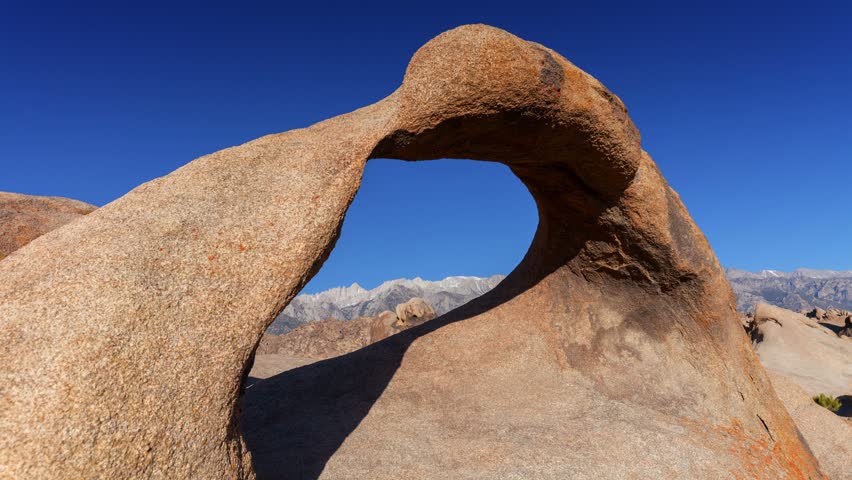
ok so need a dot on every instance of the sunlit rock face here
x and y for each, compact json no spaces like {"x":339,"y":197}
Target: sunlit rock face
{"x":613,"y":350}
{"x":24,"y":218}
{"x":802,"y":349}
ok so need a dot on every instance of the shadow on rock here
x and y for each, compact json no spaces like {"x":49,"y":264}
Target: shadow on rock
{"x":834,"y":328}
{"x":295,"y":421}
{"x":845,"y":406}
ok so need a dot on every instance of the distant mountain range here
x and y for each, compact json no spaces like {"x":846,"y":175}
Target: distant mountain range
{"x":797,"y":290}
{"x":348,"y":303}
{"x":801,"y":289}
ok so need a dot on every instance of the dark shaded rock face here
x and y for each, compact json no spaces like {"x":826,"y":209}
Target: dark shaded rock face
{"x":613,"y":350}
{"x":846,"y":331}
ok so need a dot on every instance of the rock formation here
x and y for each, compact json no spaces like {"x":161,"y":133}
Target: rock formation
{"x":839,"y":321}
{"x":828,"y":436}
{"x":319,"y":340}
{"x":414,"y":312}
{"x":613,"y":350}
{"x":803,"y":350}
{"x":331,"y":338}
{"x":26,"y":217}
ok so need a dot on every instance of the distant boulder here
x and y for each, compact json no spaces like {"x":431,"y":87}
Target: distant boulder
{"x":24,"y":218}
{"x":835,"y":319}
{"x":836,"y":316}
{"x":414,"y":312}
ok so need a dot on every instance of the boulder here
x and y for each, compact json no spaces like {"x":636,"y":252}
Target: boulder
{"x":803,"y":350}
{"x":414,"y":312}
{"x":835,"y":317}
{"x":24,"y":218}
{"x":613,"y":350}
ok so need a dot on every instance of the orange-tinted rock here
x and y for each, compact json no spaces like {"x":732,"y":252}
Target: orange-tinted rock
{"x":613,"y":350}
{"x":829,"y":436}
{"x":24,"y":218}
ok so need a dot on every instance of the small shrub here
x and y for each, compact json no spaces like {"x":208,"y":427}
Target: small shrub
{"x":828,"y":402}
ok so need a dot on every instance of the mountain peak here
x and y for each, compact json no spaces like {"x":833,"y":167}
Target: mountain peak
{"x":348,"y":303}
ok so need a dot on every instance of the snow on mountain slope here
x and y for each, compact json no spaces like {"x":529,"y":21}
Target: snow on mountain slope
{"x":347,"y":303}
{"x":801,"y":289}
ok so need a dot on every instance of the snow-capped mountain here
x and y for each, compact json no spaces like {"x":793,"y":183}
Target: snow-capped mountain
{"x":347,"y":303}
{"x":797,"y":290}
{"x":801,"y":289}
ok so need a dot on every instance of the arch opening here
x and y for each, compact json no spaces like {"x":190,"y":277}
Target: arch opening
{"x":414,"y":230}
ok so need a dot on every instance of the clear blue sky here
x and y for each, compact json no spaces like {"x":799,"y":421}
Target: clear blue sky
{"x":747,"y":110}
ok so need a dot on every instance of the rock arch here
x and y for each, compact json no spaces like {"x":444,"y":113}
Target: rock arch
{"x":127,"y":332}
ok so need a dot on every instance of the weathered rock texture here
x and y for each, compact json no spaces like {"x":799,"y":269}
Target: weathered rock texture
{"x":319,"y":340}
{"x":802,"y":349}
{"x":612,"y":351}
{"x":383,"y":326}
{"x":414,"y":312}
{"x":331,"y":338}
{"x":828,"y":435}
{"x":25,"y":217}
{"x":839,"y":321}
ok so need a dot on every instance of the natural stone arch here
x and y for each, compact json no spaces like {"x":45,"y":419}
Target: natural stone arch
{"x":128,"y":331}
